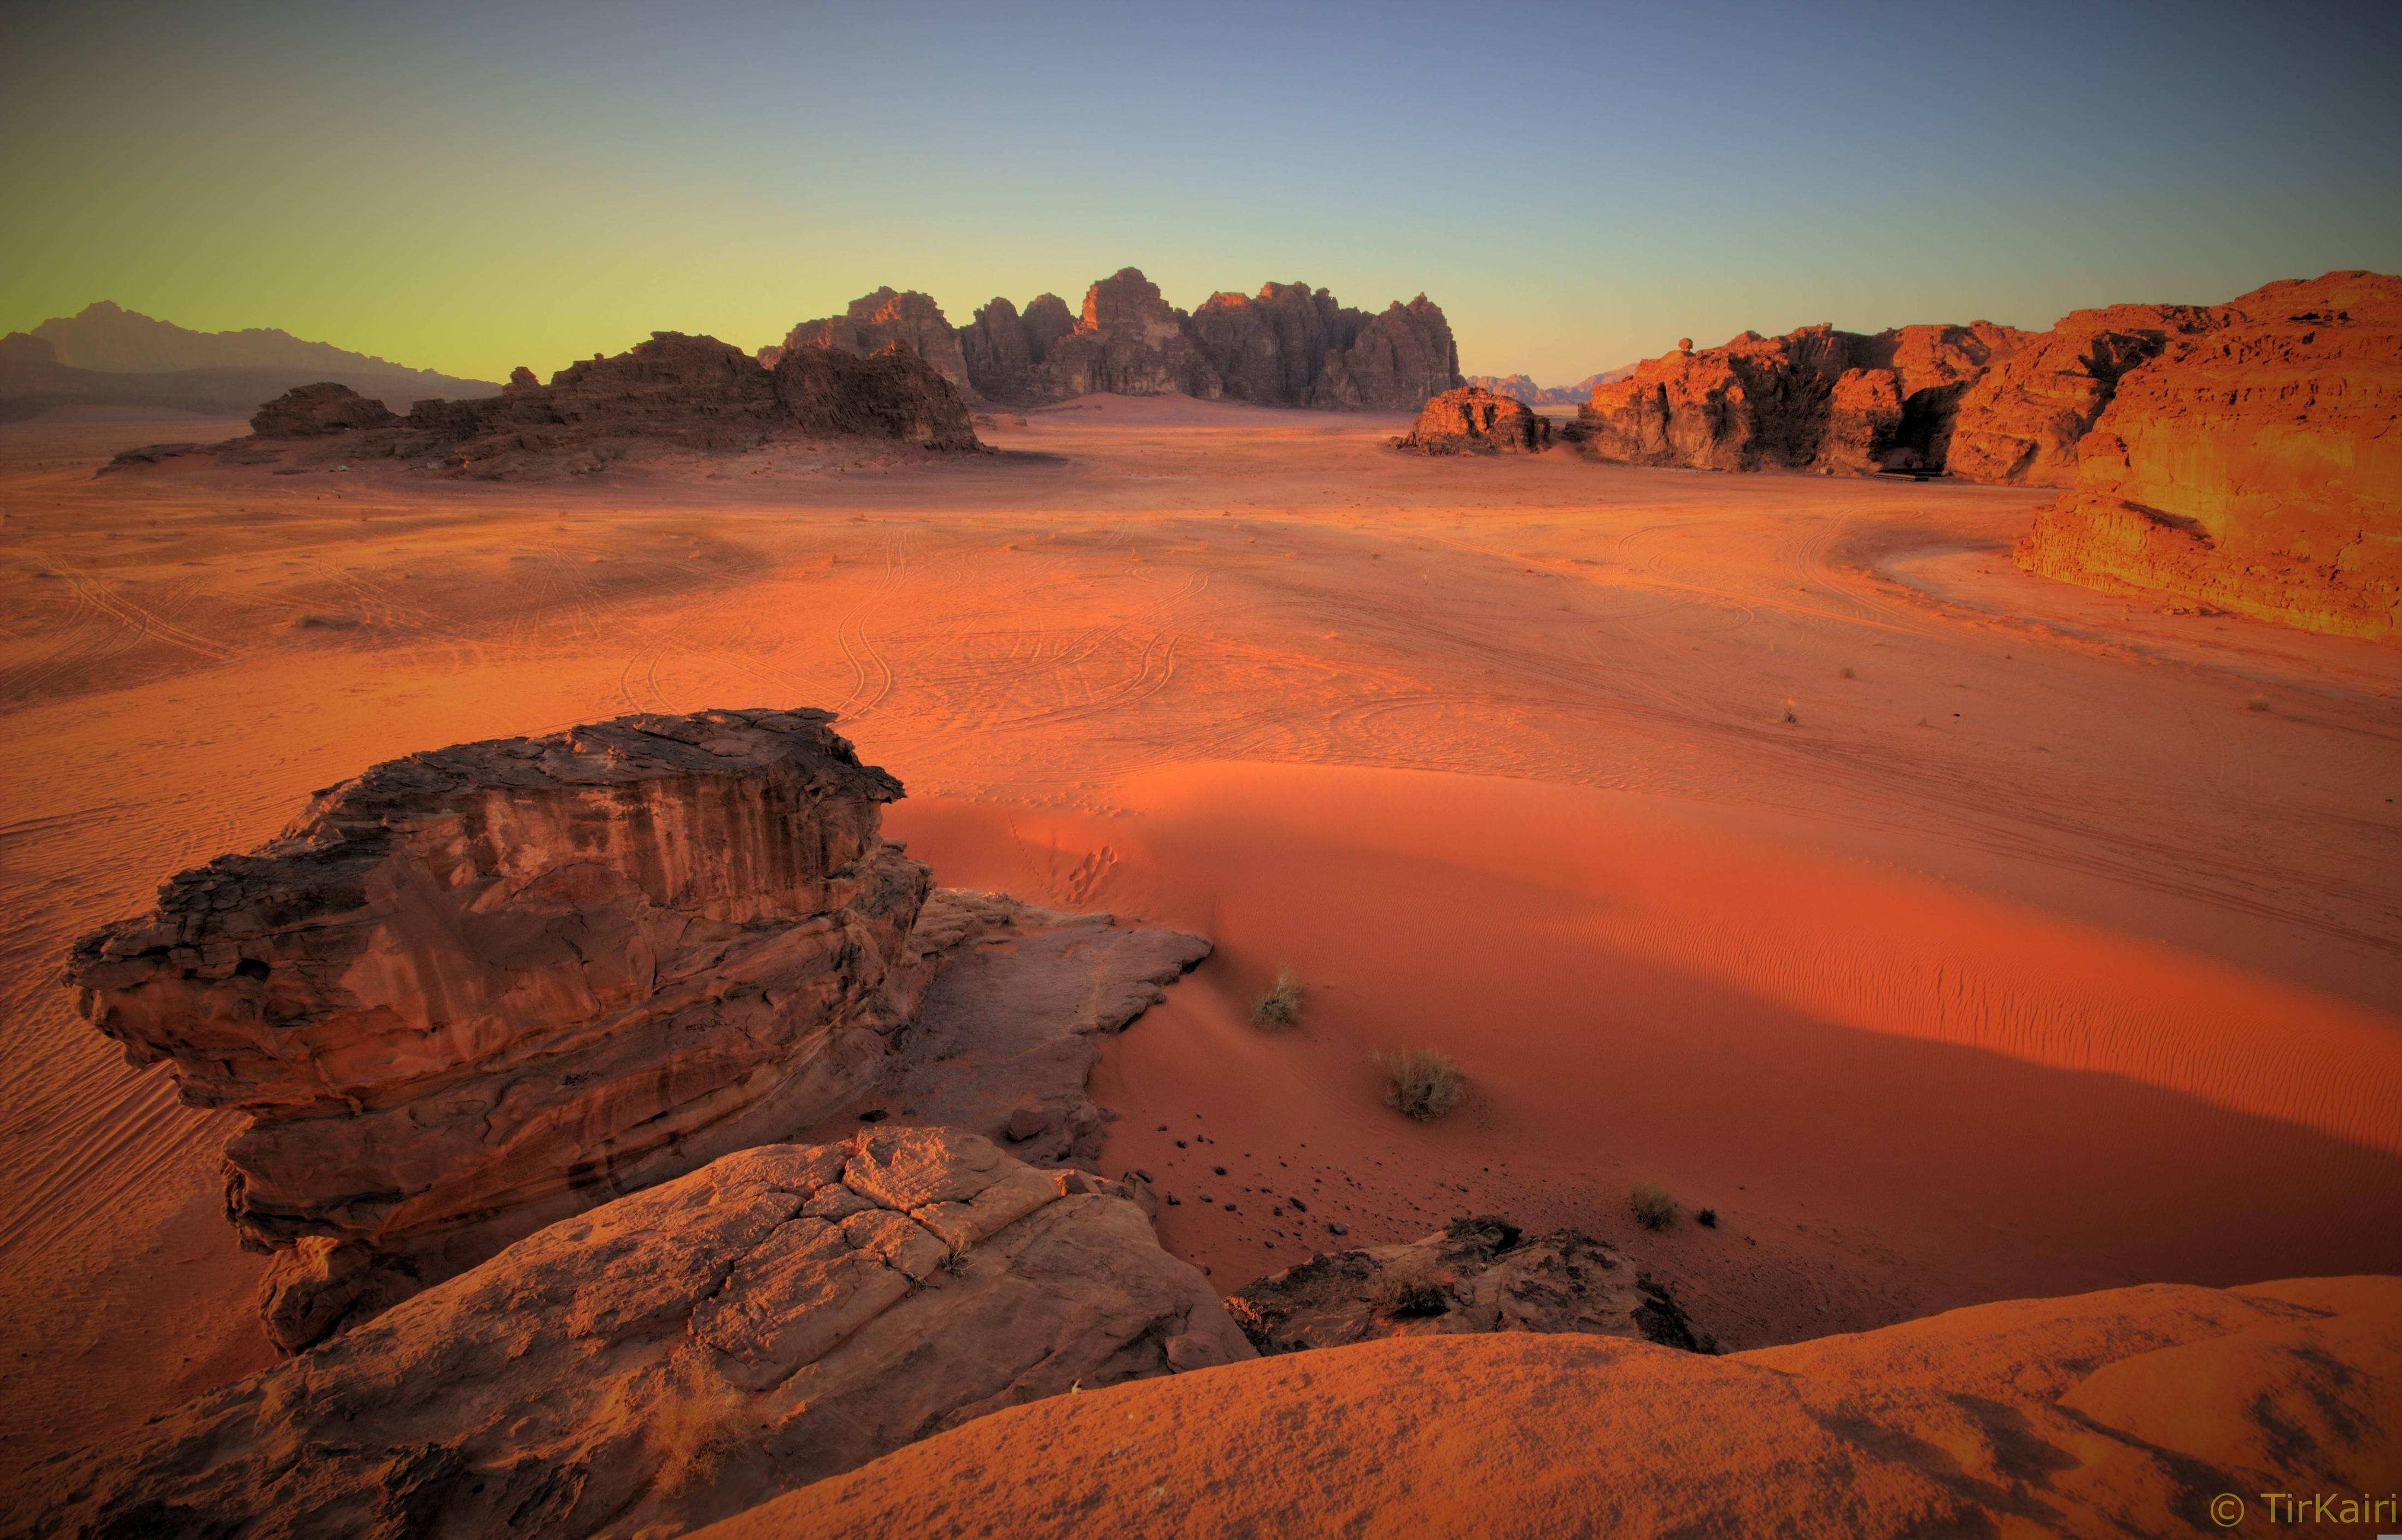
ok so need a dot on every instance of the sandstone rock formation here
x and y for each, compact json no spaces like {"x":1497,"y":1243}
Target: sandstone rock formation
{"x":313,"y":410}
{"x":2111,"y":1414}
{"x":475,"y":990}
{"x":1011,"y":1024}
{"x":671,"y":394}
{"x":1471,"y":421}
{"x":1525,"y":390}
{"x":2020,"y":421}
{"x":776,"y":1317}
{"x":877,"y":321}
{"x":2254,"y":465}
{"x":1478,"y":1275}
{"x":1288,"y":346}
{"x":1004,"y":351}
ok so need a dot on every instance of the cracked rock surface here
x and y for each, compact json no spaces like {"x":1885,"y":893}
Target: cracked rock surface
{"x":783,"y":1315}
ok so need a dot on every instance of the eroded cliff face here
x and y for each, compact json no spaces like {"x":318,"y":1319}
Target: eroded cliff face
{"x":2253,"y":464}
{"x":878,"y":321}
{"x":782,"y":1315}
{"x":1288,"y":344}
{"x":475,"y":990}
{"x":2020,"y":422}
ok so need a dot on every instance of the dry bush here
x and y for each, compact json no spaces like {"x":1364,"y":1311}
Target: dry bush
{"x":1653,"y":1208}
{"x":1281,"y":1005}
{"x":1426,"y":1083}
{"x":1402,"y":1295}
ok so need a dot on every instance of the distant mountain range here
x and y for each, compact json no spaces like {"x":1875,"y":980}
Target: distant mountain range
{"x":107,"y":356}
{"x":1525,"y":390}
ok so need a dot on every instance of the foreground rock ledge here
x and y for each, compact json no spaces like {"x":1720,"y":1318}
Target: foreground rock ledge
{"x":479,"y":989}
{"x":2112,"y":1414}
{"x":779,"y":1317}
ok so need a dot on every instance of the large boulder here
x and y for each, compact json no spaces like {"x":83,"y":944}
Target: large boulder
{"x":2254,"y":465}
{"x":309,"y":411}
{"x":478,"y":989}
{"x":1473,"y":422}
{"x":778,"y":1317}
{"x":878,"y":321}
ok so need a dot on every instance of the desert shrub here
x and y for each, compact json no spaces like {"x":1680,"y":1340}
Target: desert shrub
{"x":2258,"y":703}
{"x":1653,"y":1208}
{"x":1407,"y":1294}
{"x":1425,"y":1082}
{"x":1281,"y":1005}
{"x":1706,"y":1218}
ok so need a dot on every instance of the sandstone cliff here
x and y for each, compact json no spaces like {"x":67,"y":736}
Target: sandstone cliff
{"x":2253,"y":464}
{"x":2114,"y":1414}
{"x":1471,"y":421}
{"x":1288,"y":346}
{"x":878,"y":321}
{"x":477,"y":989}
{"x":776,"y":1317}
{"x":2020,"y":421}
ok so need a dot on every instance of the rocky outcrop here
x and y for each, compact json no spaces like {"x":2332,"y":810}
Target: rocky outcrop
{"x":673,"y":395}
{"x":2253,"y":464}
{"x":878,"y":321}
{"x":779,"y":1317}
{"x":1288,"y":344}
{"x":1758,"y":402}
{"x":1403,"y":358}
{"x":1471,"y":421}
{"x":1013,"y":1023}
{"x":312,"y":411}
{"x":2113,"y":1414}
{"x":2020,"y":421}
{"x":1525,"y":390}
{"x":475,"y":990}
{"x":1480,"y":1274}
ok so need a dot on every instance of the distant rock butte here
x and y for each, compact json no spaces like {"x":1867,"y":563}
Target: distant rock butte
{"x":774,"y":1318}
{"x":1478,"y":1274}
{"x":312,"y":411}
{"x":2109,"y":1414}
{"x":2252,"y":464}
{"x":1288,"y":346}
{"x":1524,"y":389}
{"x":671,"y":394}
{"x":1472,"y":421}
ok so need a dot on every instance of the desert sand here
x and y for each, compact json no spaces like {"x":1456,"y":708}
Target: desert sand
{"x":1958,"y":935}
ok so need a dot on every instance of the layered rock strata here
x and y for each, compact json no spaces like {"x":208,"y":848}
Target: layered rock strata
{"x":2253,"y":465}
{"x":779,"y":1317}
{"x":673,"y":395}
{"x":478,"y":989}
{"x":1472,"y":421}
{"x":1478,"y":1274}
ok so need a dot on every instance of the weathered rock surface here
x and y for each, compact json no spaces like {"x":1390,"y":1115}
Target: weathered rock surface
{"x":2112,"y":1414}
{"x":311,"y":410}
{"x":673,"y":395}
{"x":878,"y":321}
{"x":2254,"y":465}
{"x":1473,"y":422}
{"x":779,"y":1317}
{"x":1478,"y":1275}
{"x":2020,"y":421}
{"x":478,"y":989}
{"x":1525,"y":390}
{"x":1288,"y":346}
{"x":1013,"y":1022}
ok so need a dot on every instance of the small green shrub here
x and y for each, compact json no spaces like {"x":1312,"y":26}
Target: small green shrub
{"x":1653,"y":1208}
{"x":1425,"y":1082}
{"x":1281,"y":1005}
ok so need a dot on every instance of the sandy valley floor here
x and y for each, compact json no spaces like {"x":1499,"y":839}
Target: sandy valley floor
{"x":1956,"y":935}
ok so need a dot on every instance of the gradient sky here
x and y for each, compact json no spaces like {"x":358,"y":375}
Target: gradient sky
{"x":468,"y":187}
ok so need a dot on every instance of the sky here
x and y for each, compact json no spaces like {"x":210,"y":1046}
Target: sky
{"x":469,"y":188}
